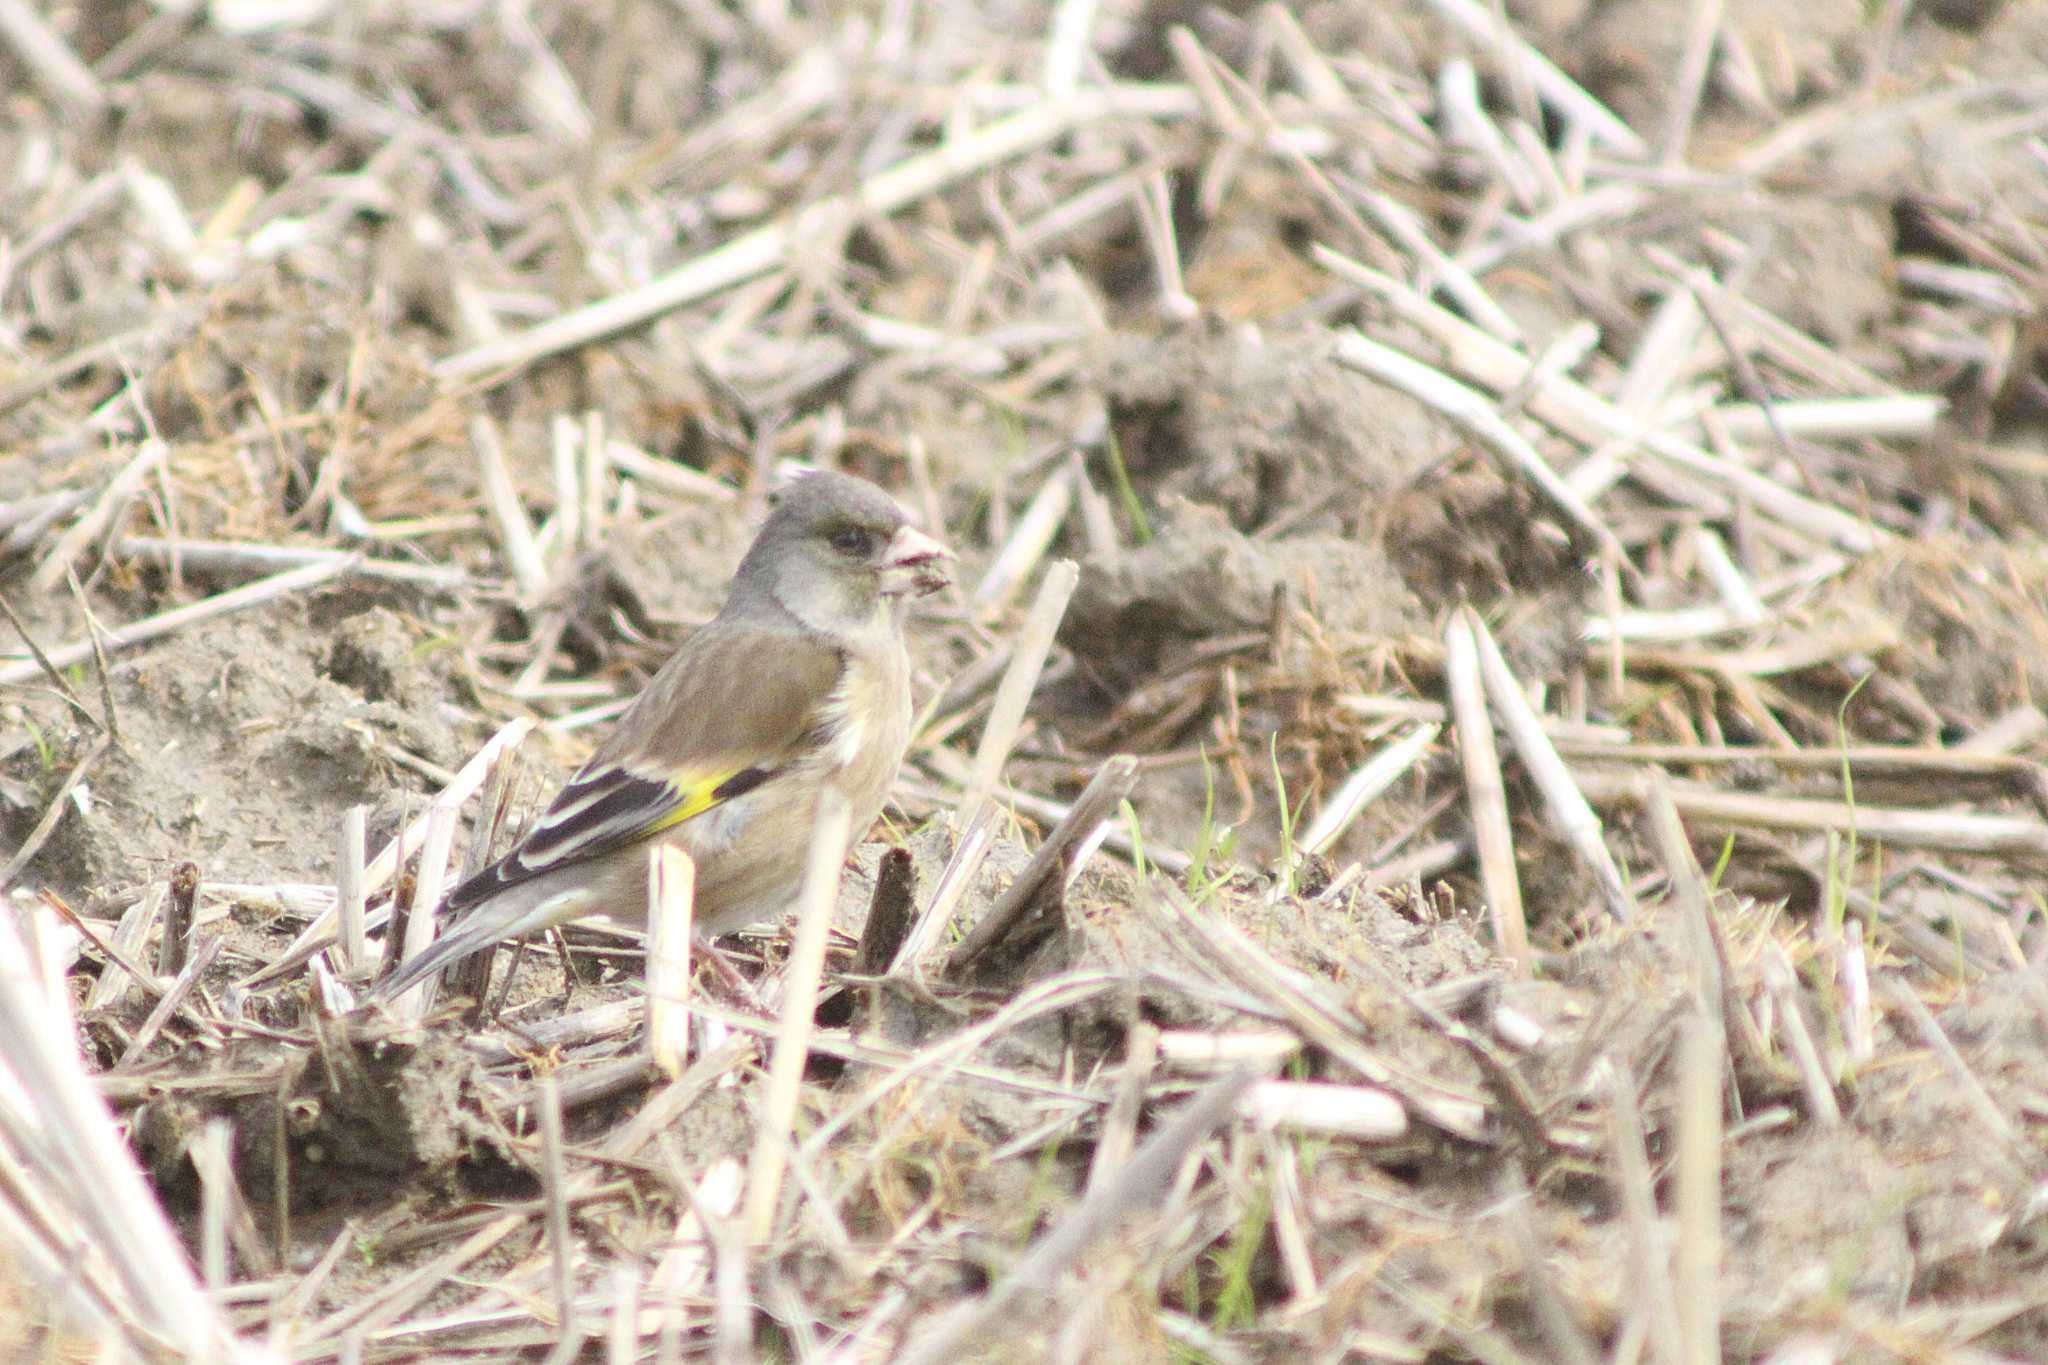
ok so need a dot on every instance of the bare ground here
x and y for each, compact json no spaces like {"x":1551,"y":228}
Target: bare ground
{"x":440,"y":358}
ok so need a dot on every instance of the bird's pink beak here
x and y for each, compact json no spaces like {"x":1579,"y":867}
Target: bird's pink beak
{"x":913,"y":565}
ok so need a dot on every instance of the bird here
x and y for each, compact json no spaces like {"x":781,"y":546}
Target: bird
{"x":799,"y":684}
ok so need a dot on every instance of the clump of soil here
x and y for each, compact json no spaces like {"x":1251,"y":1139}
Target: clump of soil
{"x":242,"y":741}
{"x":1269,"y":430}
{"x":1199,"y":578}
{"x":358,"y":1115}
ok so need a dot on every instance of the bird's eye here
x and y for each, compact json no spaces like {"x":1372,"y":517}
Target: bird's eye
{"x":853,"y":542}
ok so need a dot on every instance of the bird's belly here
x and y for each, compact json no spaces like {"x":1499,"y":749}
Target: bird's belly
{"x":749,"y":855}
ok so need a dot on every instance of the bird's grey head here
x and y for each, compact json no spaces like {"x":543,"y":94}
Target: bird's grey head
{"x":835,"y":553}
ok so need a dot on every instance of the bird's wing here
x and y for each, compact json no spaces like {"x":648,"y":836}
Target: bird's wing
{"x":736,"y":707}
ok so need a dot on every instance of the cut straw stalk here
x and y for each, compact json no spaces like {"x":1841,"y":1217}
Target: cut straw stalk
{"x":671,"y":903}
{"x":1486,"y":796}
{"x":1702,"y":1060}
{"x":1573,"y":410}
{"x":54,"y":1119}
{"x":775,"y":245}
{"x":1140,"y":1185}
{"x":1474,"y":412}
{"x":1578,"y":732}
{"x":349,"y":896}
{"x":1569,"y":812}
{"x":1118,"y":1136}
{"x":1896,"y":416}
{"x":1360,"y":1112}
{"x":435,"y":846}
{"x":264,"y":590}
{"x":1019,"y":681}
{"x":241,"y":557}
{"x":1862,"y":760}
{"x":1649,"y":1272}
{"x":1782,"y":981}
{"x":1110,"y":785}
{"x":1367,"y":784}
{"x":1715,"y":982}
{"x":799,"y":1005}
{"x":1067,"y":47}
{"x":49,"y":60}
{"x":515,"y":533}
{"x":98,"y":517}
{"x":1487,"y":27}
{"x":1955,"y":831}
{"x":1028,"y":541}
{"x":975,"y":815}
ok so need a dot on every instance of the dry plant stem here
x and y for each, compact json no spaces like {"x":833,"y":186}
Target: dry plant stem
{"x":775,"y":245}
{"x":435,"y":848}
{"x":1852,"y":978}
{"x":173,"y":999}
{"x":1702,"y":1061}
{"x":1040,"y":808}
{"x":1695,"y":57}
{"x":1118,"y":1136}
{"x":97,"y":518}
{"x":1955,"y":831}
{"x":1647,"y":1269}
{"x":110,"y":987}
{"x":1019,"y":681}
{"x":349,"y":896}
{"x":82,"y":1161}
{"x":50,"y":671}
{"x":1028,"y":542}
{"x":1358,"y":1112}
{"x":515,"y":532}
{"x":554,"y":1173}
{"x":50,"y":61}
{"x":210,"y":1160}
{"x":1514,"y":53}
{"x":1863,"y":760}
{"x":1291,"y":1219}
{"x":671,"y":900}
{"x":1579,"y":733}
{"x":1006,"y":718}
{"x":1471,"y":411}
{"x":1367,"y":784}
{"x":889,"y":911}
{"x":1486,"y":796}
{"x":1898,"y":416}
{"x":1717,"y":990}
{"x":1110,"y":785}
{"x":1140,"y":1185}
{"x":799,"y":1006}
{"x":264,"y":590}
{"x":1569,"y":812}
{"x":1573,"y":410}
{"x":1067,"y":47}
{"x":240,"y":557}
{"x":52,"y":813}
{"x":2023,"y":1164}
{"x":1783,"y":984}
{"x":595,"y":1024}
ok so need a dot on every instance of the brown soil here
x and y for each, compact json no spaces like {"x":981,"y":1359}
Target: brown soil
{"x":1273,"y":549}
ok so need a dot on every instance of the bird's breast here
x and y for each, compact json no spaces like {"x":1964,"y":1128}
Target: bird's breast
{"x":867,"y":722}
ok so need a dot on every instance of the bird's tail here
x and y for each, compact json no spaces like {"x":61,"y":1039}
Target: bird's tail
{"x":484,"y":927}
